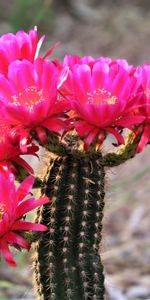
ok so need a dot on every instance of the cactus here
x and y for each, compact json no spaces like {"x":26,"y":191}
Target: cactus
{"x":68,"y":264}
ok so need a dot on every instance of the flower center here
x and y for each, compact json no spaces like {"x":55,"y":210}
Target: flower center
{"x":101,"y":96}
{"x":29,"y":97}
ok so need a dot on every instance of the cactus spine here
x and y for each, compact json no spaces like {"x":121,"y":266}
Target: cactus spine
{"x":68,"y":265}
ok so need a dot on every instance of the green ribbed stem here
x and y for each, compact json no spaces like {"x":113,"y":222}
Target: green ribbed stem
{"x":68,"y":265}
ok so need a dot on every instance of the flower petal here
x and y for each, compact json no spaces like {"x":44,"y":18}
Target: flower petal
{"x":129,"y":120}
{"x":117,"y":135}
{"x":7,"y":254}
{"x":51,"y":50}
{"x":88,"y":141}
{"x":14,"y":238}
{"x":144,"y":139}
{"x":25,"y":188}
{"x":54,"y":124}
{"x":23,"y":164}
{"x":41,"y":134}
{"x":23,"y":225}
{"x":30,"y":204}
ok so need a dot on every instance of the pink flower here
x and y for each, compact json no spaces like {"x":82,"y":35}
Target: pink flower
{"x":29,"y":99}
{"x":10,"y":151}
{"x":90,"y":61}
{"x":12,"y":208}
{"x":143,"y":76}
{"x":70,"y":61}
{"x":19,"y":46}
{"x":103,"y":98}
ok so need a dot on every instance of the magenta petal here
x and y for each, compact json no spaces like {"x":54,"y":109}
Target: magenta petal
{"x":60,"y":106}
{"x":7,"y":254}
{"x":144,"y":139}
{"x":63,"y":76}
{"x":25,"y":188}
{"x":23,"y":225}
{"x":17,"y":114}
{"x":30,"y":204}
{"x":51,"y":50}
{"x":39,"y":44}
{"x":23,"y":140}
{"x":53,"y":124}
{"x":14,"y":238}
{"x":100,"y":73}
{"x":41,"y":134}
{"x":4,"y":224}
{"x":7,"y":192}
{"x":90,"y":138}
{"x":32,"y":149}
{"x":130,"y":120}
{"x":23,"y":164}
{"x":117,"y":135}
{"x":83,"y":128}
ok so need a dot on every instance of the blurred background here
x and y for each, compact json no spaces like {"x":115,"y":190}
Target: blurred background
{"x":119,"y":28}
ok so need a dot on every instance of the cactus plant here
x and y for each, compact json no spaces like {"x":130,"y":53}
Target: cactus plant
{"x":69,"y":108}
{"x":68,"y":261}
{"x":68,"y":265}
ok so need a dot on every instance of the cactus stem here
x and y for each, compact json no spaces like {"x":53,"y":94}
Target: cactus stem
{"x":68,"y":265}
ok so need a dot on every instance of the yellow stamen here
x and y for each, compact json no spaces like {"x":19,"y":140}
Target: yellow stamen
{"x":29,"y":97}
{"x":147,"y":92}
{"x":2,"y":211}
{"x":101,"y":96}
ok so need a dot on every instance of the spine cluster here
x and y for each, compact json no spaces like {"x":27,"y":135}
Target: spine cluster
{"x":68,"y":264}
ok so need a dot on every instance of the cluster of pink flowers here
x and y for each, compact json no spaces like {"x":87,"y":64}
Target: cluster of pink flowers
{"x":94,"y":97}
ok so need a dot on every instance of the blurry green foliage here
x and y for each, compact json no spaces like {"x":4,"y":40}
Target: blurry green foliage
{"x":28,"y":13}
